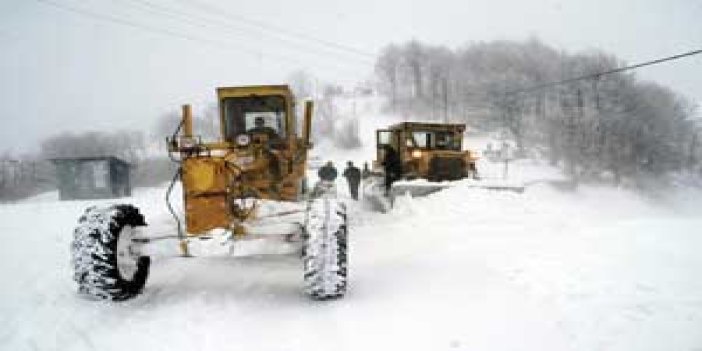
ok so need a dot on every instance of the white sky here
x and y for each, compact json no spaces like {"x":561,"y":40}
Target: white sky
{"x":63,"y":71}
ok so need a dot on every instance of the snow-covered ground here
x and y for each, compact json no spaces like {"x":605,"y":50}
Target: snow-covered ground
{"x":598,"y":269}
{"x":462,"y":269}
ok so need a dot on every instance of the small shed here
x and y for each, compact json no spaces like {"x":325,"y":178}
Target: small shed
{"x":92,"y":177}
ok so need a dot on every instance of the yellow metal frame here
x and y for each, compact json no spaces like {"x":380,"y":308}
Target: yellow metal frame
{"x":216,"y":174}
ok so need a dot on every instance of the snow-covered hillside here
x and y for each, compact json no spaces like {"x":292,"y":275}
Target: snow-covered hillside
{"x":462,"y":269}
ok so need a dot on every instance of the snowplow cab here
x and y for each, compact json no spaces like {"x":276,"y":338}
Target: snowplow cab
{"x":431,"y":151}
{"x":261,"y":155}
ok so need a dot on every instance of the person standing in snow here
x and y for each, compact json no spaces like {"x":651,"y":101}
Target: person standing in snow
{"x":366,"y":171}
{"x":392,"y":166}
{"x":327,"y":172}
{"x":327,"y":175}
{"x":353,"y":177}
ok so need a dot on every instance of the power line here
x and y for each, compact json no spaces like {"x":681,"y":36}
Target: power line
{"x":603,"y":73}
{"x":285,"y":31}
{"x":187,"y":17}
{"x":216,"y":43}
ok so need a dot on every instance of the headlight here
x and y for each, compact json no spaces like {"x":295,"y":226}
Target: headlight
{"x":416,"y":153}
{"x":243,"y":140}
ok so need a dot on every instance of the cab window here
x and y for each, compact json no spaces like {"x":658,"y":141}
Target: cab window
{"x":447,"y":141}
{"x":384,"y":137}
{"x":253,"y":113}
{"x":421,"y":139}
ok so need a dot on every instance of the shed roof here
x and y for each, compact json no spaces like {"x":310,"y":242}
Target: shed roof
{"x":431,"y":126}
{"x":90,"y":158}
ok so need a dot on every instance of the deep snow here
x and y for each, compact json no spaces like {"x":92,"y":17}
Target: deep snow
{"x":462,"y":269}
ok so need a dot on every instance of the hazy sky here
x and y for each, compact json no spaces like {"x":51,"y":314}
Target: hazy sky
{"x":121,"y":64}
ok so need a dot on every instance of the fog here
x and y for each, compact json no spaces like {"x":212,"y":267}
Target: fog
{"x":99,"y":65}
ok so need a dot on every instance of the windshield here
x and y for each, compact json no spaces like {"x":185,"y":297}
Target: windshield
{"x":254,"y":114}
{"x":433,"y":140}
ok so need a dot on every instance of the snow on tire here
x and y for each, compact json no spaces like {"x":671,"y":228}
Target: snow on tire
{"x":324,"y":249}
{"x":102,"y":253}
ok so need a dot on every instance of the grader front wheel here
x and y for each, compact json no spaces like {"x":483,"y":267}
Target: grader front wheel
{"x":104,"y":261}
{"x":324,"y":249}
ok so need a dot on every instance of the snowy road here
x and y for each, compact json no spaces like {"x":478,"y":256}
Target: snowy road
{"x":464,"y":269}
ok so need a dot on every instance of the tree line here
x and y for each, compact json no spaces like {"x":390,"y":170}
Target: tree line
{"x":615,"y":126}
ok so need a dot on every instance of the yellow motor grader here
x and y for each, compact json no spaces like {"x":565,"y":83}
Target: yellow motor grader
{"x":260,"y":159}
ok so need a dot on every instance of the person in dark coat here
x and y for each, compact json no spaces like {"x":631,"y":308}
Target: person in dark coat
{"x":327,"y":172}
{"x":392,"y":166}
{"x":366,"y":171}
{"x":353,"y":177}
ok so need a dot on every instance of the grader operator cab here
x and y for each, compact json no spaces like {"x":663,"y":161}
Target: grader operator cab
{"x":260,"y":159}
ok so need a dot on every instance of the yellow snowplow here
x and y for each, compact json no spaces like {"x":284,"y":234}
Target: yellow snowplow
{"x":259,"y":160}
{"x":431,"y":151}
{"x":421,"y":158}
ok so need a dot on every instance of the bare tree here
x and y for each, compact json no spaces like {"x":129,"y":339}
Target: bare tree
{"x":609,"y":126}
{"x":387,"y":67}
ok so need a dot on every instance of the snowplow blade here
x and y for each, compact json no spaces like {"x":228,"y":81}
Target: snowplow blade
{"x":374,"y":190}
{"x":374,"y":196}
{"x":418,"y":188}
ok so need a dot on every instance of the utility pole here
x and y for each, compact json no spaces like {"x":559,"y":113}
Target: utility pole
{"x":446,"y":118}
{"x":354,"y":103}
{"x":692,"y":159}
{"x":576,"y":116}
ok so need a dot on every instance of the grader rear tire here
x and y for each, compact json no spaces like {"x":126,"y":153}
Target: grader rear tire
{"x":324,"y":249}
{"x":103,"y":258}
